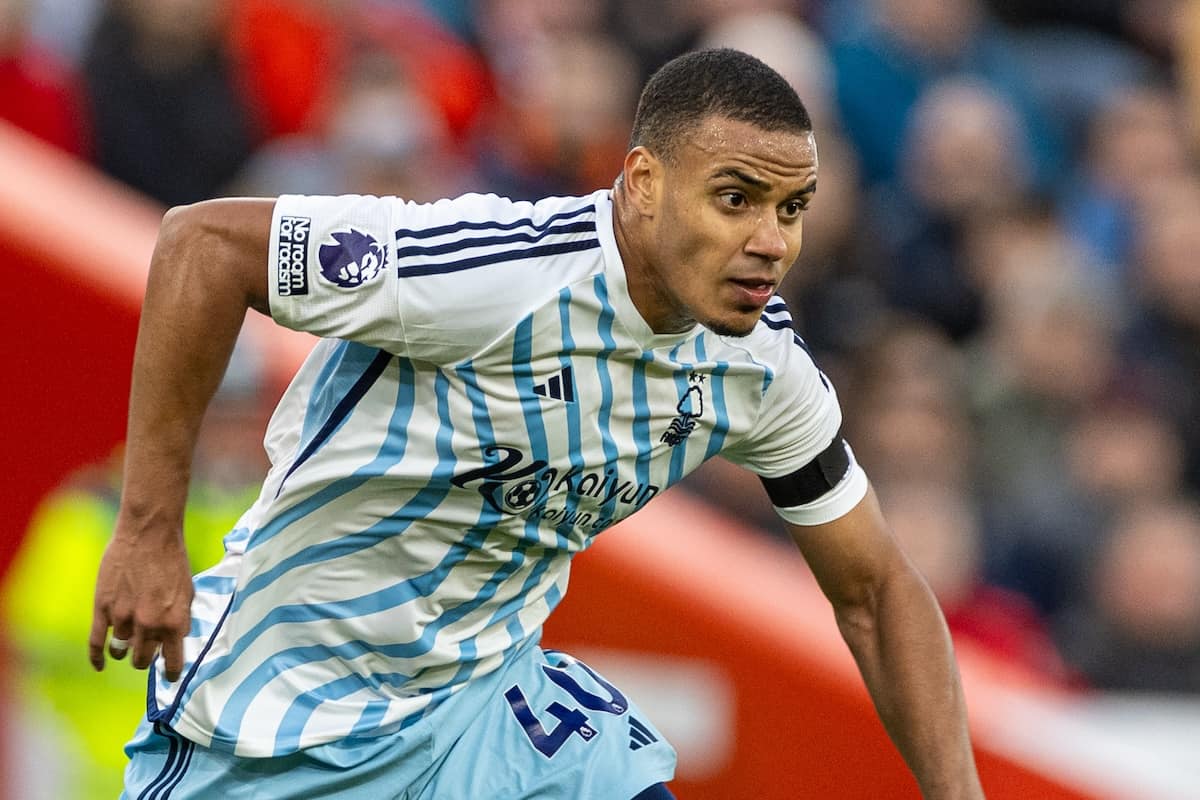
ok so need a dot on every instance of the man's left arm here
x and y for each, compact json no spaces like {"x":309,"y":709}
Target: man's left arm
{"x":896,"y":631}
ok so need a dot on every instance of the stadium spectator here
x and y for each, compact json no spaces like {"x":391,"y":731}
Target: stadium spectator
{"x":169,"y":117}
{"x":555,"y":129}
{"x":1164,"y":337}
{"x":906,"y":405}
{"x":964,"y":161}
{"x":938,"y":527}
{"x":887,"y":53}
{"x":1047,"y":354}
{"x":1137,"y":627}
{"x":39,"y":92}
{"x":1135,"y":144}
{"x":1123,"y":453}
{"x":382,"y":137}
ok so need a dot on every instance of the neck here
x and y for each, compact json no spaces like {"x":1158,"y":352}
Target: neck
{"x":631,"y":230}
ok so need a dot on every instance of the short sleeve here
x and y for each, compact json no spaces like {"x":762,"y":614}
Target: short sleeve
{"x":797,"y":434}
{"x":799,"y":415}
{"x":330,"y":272}
{"x":431,"y":281}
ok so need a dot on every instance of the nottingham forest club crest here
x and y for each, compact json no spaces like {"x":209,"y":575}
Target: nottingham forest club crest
{"x":690,"y":408}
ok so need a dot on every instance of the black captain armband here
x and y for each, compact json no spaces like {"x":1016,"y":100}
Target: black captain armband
{"x":812,"y":481}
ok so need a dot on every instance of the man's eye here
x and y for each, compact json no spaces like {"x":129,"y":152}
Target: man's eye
{"x":793,"y":208}
{"x":733,"y":199}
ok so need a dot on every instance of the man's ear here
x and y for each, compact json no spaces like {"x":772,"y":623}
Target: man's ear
{"x":642,"y":175}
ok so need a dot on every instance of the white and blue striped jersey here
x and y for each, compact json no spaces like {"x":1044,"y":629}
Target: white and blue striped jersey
{"x":486,"y":400}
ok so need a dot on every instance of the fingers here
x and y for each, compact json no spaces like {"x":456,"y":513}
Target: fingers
{"x":118,"y":644}
{"x":172,"y":652}
{"x":96,"y":641}
{"x":145,"y":647}
{"x":143,"y":643}
{"x":118,"y":647}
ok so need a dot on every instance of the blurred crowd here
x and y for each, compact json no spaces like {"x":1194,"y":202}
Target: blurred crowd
{"x":1001,"y":269}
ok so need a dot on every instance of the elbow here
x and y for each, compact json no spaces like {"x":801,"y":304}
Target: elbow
{"x":217,"y":243}
{"x":863,"y":603}
{"x":857,"y":612}
{"x":186,"y":223}
{"x":182,"y":227}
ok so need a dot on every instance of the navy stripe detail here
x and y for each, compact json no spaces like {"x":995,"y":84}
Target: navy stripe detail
{"x":492,"y":225}
{"x":637,"y":723}
{"x":341,"y":411}
{"x":189,"y":747}
{"x":462,"y":244}
{"x":168,"y":766}
{"x":776,"y":308}
{"x":776,"y":324}
{"x":781,"y":325}
{"x":169,"y":712}
{"x":555,"y":249}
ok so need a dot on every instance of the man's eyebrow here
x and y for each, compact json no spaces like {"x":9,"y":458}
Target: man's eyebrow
{"x":759,"y":183}
{"x":737,"y":174}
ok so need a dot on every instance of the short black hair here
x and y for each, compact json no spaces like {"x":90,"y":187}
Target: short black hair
{"x":717,"y":82}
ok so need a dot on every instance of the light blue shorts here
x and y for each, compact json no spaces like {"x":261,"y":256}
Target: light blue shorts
{"x":546,"y":727}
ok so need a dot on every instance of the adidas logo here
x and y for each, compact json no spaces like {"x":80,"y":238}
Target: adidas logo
{"x":558,"y":387}
{"x":639,"y":735}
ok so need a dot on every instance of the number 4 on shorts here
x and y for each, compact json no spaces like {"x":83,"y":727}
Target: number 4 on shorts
{"x":570,"y":720}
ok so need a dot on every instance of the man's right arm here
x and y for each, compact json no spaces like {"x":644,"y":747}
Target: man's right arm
{"x":209,"y":266}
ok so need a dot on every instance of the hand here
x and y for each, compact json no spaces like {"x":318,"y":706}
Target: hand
{"x":144,"y":593}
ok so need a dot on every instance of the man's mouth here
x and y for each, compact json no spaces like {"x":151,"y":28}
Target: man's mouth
{"x":755,"y":290}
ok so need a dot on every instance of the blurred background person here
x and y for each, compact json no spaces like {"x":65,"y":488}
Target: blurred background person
{"x":1047,"y":354}
{"x":169,"y":118}
{"x":906,"y":410}
{"x":938,"y":527}
{"x":887,"y":53}
{"x":1163,"y":338}
{"x":1137,"y":626}
{"x":964,"y":160}
{"x":379,"y":137}
{"x":554,"y":129}
{"x":1133,"y":144}
{"x":40,"y":92}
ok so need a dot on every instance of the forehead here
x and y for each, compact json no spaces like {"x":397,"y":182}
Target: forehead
{"x":719,"y":143}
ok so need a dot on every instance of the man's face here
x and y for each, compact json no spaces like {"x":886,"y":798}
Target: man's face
{"x":725,"y":221}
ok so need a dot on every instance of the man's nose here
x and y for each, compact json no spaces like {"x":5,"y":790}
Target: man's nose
{"x":767,"y":239}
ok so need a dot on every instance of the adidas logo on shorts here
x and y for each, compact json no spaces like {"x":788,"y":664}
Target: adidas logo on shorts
{"x":639,"y":735}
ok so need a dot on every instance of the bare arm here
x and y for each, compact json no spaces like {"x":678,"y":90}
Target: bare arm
{"x":894,"y":628}
{"x":209,"y":266}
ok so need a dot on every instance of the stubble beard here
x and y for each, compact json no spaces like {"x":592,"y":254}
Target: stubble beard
{"x":728,"y":329}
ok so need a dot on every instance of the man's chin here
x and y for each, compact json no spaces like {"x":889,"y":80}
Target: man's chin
{"x":736,"y":328}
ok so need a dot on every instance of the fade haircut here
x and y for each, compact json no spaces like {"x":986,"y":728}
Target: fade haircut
{"x":718,"y":82}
